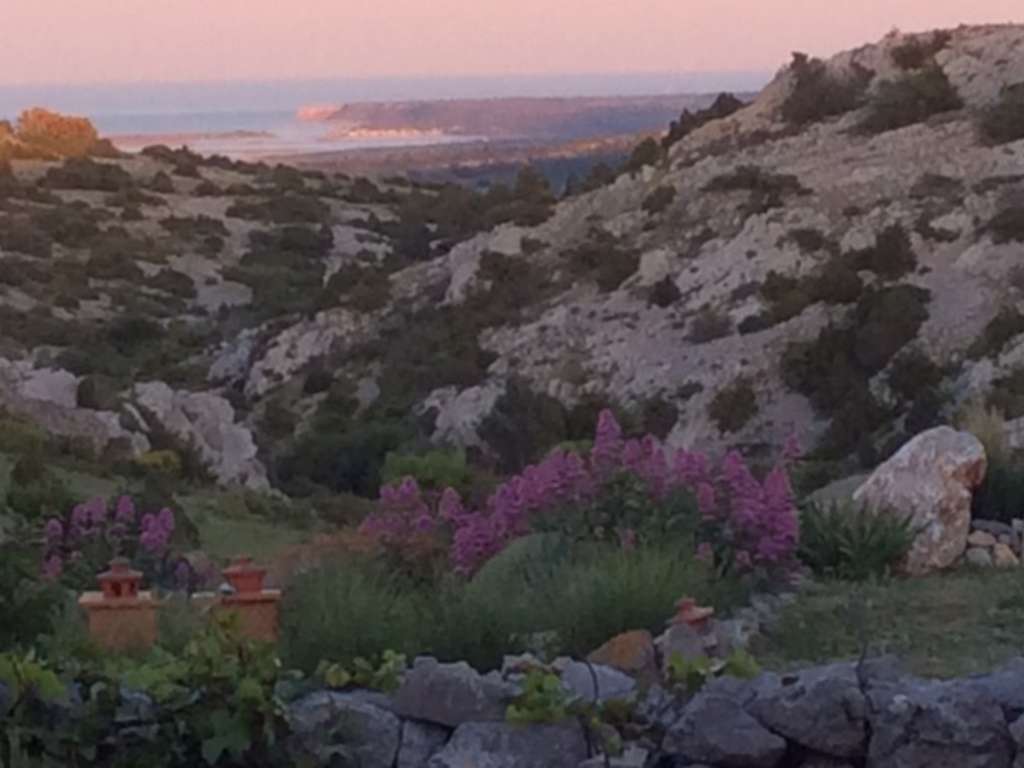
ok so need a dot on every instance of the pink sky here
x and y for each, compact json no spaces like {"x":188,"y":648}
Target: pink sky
{"x":118,"y":40}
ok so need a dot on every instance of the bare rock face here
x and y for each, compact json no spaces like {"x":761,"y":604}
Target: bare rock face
{"x":207,"y":422}
{"x":930,"y":479}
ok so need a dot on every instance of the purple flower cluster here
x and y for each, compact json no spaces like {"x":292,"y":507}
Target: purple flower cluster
{"x":82,"y":542}
{"x":754,"y":521}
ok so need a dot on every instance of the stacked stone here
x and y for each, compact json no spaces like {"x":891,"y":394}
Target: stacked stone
{"x":992,"y":543}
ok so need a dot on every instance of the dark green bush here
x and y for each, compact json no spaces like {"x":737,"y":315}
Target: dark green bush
{"x":767,"y":189}
{"x":1003,"y":122}
{"x":1001,"y":495}
{"x":709,"y":324}
{"x":1000,"y":330}
{"x":911,"y":99}
{"x":817,"y":94}
{"x":97,"y":393}
{"x":843,"y":541}
{"x":664,"y":293}
{"x":162,"y":183}
{"x":930,"y":185}
{"x":659,"y":200}
{"x":173,"y":282}
{"x":21,"y":235}
{"x":84,"y":173}
{"x":1007,"y":395}
{"x":605,"y":259}
{"x":71,"y":224}
{"x":647,"y":152}
{"x":1008,"y":225}
{"x":287,"y":208}
{"x":434,"y":470}
{"x":732,"y":408}
{"x":892,"y":256}
{"x":919,"y":51}
{"x":366,"y":289}
{"x":725,"y":105}
{"x":911,"y":372}
{"x":194,"y":227}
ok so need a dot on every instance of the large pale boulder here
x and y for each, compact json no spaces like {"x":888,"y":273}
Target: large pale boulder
{"x":930,"y":479}
{"x":206,"y":422}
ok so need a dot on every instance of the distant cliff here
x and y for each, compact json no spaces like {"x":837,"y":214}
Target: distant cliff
{"x":553,"y":118}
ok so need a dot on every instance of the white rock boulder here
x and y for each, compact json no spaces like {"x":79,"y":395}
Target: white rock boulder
{"x":930,"y":479}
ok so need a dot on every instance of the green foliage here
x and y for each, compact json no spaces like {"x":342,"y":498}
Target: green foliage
{"x":911,"y":99}
{"x":433,"y":470}
{"x":766,"y":189}
{"x":366,"y":289}
{"x":26,"y":603}
{"x":1007,"y":324}
{"x":920,"y":50}
{"x":664,"y":293}
{"x":647,"y":152}
{"x":1007,"y":226}
{"x":841,"y":540}
{"x":818,"y":94}
{"x":383,"y":674}
{"x":692,"y":674}
{"x":1003,"y":122}
{"x":605,"y":259}
{"x":83,"y":173}
{"x":576,"y":596}
{"x":891,"y":257}
{"x":543,"y":699}
{"x":834,"y":369}
{"x":1001,"y":495}
{"x":732,"y":408}
{"x":287,"y":208}
{"x":35,"y":491}
{"x":659,"y":200}
{"x":724,"y":105}
{"x":709,"y":324}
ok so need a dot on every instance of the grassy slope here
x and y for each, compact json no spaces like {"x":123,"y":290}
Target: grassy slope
{"x":945,"y":625}
{"x":221,"y":536}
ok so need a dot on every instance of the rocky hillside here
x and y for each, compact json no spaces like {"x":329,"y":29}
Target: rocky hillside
{"x":839,"y":259}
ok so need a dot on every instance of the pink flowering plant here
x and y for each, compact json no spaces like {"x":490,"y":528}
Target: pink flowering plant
{"x":629,"y":491}
{"x":80,"y":544}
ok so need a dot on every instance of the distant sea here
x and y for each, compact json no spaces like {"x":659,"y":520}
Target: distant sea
{"x":219,"y":111}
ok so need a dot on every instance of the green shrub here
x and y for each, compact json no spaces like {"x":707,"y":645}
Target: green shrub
{"x":659,"y":200}
{"x":891,"y":257}
{"x":162,"y":183}
{"x":20,"y":436}
{"x":1007,"y":394}
{"x":366,"y":289}
{"x":709,"y":324}
{"x":35,"y":491}
{"x":1007,"y":325}
{"x":434,"y":470}
{"x":173,"y":282}
{"x":724,"y":105}
{"x":1001,"y":495}
{"x":767,"y":189}
{"x":817,"y":94}
{"x":97,"y":393}
{"x":930,"y":185}
{"x":1003,"y":122}
{"x":287,"y":208}
{"x":809,"y":240}
{"x":344,"y":610}
{"x":194,"y":228}
{"x":920,"y":50}
{"x":83,"y":173}
{"x":911,"y":372}
{"x":21,"y":235}
{"x":840,"y":540}
{"x":647,"y":152}
{"x":605,"y":259}
{"x":1007,"y":226}
{"x":664,"y":293}
{"x":911,"y":99}
{"x":732,"y":408}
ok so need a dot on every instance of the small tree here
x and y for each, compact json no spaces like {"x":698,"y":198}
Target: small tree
{"x":60,"y":134}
